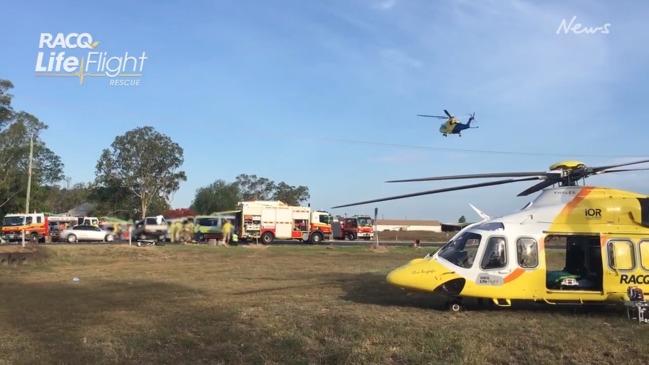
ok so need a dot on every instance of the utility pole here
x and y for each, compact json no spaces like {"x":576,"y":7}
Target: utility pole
{"x":29,"y":181}
{"x":376,"y":233}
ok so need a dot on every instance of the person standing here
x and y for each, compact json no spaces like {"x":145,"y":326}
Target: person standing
{"x":227,"y":232}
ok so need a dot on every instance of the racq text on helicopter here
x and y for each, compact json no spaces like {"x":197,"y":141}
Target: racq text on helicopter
{"x":605,"y":233}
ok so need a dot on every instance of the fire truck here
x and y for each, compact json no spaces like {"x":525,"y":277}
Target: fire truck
{"x":270,"y":220}
{"x":35,"y":226}
{"x":351,"y":228}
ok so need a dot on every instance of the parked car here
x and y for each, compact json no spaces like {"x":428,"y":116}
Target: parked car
{"x":86,"y":233}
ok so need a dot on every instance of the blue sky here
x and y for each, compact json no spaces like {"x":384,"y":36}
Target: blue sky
{"x":293,"y":90}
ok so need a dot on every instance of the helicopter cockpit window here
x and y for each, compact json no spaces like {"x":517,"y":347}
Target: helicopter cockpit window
{"x":528,"y":252}
{"x":462,"y":250}
{"x":494,"y":256}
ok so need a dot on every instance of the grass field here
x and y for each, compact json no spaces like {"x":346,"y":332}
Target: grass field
{"x":279,"y":304}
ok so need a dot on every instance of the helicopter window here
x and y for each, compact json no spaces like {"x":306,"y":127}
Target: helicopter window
{"x":462,"y":250}
{"x":620,"y":255}
{"x":491,"y":226}
{"x":644,"y":254}
{"x":494,"y":256}
{"x":528,"y":252}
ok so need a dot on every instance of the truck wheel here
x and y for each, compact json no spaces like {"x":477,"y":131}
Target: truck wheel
{"x":72,"y":238}
{"x":350,"y":236}
{"x":34,"y":237}
{"x":109,"y":238}
{"x":316,"y":238}
{"x":267,"y":238}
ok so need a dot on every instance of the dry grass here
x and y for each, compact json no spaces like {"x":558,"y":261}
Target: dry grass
{"x":284,"y":304}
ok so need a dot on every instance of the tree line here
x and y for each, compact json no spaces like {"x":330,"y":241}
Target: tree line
{"x":134,"y":177}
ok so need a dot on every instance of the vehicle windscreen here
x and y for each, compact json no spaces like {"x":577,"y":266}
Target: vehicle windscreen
{"x":12,"y":221}
{"x":364,"y":222}
{"x":325,"y":218}
{"x":211,"y":222}
{"x":462,"y":250}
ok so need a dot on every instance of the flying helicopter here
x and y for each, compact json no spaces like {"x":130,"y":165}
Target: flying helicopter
{"x":452,"y":125}
{"x":602,"y":236}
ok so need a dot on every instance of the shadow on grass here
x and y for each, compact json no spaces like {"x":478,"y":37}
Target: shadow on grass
{"x":136,"y":322}
{"x":372,"y":288}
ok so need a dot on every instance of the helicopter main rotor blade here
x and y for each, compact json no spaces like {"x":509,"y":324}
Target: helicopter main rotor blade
{"x":474,"y":176}
{"x":453,"y":188}
{"x":432,"y":116}
{"x":447,"y":113}
{"x":621,"y":170}
{"x":551,"y":180}
{"x":602,"y":168}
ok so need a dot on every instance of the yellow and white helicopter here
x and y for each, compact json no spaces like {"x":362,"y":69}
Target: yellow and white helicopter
{"x":452,"y":125}
{"x":603,"y":233}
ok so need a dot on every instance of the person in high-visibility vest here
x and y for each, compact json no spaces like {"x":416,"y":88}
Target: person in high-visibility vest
{"x":174,"y":230}
{"x":227,"y":232}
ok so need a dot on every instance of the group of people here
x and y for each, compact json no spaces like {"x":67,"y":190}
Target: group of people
{"x":184,"y":231}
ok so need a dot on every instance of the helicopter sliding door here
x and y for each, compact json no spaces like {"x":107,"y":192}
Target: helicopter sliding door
{"x":574,"y":262}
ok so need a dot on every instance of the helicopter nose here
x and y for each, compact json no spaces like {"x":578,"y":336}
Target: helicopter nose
{"x":414,"y":275}
{"x":426,"y":275}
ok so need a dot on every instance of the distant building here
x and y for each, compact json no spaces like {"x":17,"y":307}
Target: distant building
{"x":408,"y":225}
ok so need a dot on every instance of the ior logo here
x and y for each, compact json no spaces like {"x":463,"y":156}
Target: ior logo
{"x":593,"y":213}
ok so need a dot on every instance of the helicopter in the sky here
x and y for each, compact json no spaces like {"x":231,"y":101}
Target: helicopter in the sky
{"x":572,"y":244}
{"x":452,"y":125}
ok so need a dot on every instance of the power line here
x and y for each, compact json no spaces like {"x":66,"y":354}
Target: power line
{"x":481,"y":151}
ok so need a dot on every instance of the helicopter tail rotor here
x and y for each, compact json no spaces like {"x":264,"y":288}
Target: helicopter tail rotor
{"x":471,"y":119}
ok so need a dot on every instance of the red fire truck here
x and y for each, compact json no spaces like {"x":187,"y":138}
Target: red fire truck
{"x":351,"y":228}
{"x":35,"y":226}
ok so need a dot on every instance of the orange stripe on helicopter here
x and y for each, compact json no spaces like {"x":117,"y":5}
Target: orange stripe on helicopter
{"x":514,"y":275}
{"x":583,"y":193}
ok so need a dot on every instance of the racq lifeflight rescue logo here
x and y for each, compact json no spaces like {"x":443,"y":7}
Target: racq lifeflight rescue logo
{"x":77,"y":55}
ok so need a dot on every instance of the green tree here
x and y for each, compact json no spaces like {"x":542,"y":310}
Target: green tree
{"x":218,"y":196}
{"x":144,"y":162}
{"x":56,"y":199}
{"x":462,"y":220}
{"x":252,"y":187}
{"x":16,"y":130}
{"x":6,"y":111}
{"x":221,"y":195}
{"x":291,"y":195}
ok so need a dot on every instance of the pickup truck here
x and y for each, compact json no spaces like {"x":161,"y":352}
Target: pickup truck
{"x":151,"y":228}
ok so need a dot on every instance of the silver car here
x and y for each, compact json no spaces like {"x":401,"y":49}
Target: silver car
{"x":86,"y":233}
